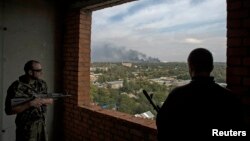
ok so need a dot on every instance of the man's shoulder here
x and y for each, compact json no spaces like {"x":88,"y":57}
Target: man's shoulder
{"x":179,"y":93}
{"x":14,"y":84}
{"x":182,"y":88}
{"x":218,"y":86}
{"x":224,"y":91}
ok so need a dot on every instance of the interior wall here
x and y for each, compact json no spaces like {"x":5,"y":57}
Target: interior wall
{"x":1,"y":68}
{"x":33,"y":32}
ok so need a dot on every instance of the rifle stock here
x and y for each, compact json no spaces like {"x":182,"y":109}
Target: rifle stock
{"x":156,"y":107}
{"x":17,"y":101}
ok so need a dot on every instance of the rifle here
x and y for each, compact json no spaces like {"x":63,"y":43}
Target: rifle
{"x":150,"y":99}
{"x":17,"y":101}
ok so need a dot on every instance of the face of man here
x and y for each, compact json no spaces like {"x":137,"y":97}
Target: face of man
{"x":36,"y":71}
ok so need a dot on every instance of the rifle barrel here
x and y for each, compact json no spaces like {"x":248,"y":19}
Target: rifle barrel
{"x":150,"y":100}
{"x":17,"y":101}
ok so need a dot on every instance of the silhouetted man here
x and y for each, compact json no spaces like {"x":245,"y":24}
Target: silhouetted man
{"x":201,"y":108}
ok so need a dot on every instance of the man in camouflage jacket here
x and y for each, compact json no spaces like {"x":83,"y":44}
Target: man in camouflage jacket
{"x":30,"y":119}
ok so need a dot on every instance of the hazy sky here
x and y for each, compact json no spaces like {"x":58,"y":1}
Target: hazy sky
{"x":166,"y":29}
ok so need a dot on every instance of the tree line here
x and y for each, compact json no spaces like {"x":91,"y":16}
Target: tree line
{"x":129,"y":98}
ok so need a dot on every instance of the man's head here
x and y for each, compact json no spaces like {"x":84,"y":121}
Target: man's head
{"x":200,"y":62}
{"x":33,"y":69}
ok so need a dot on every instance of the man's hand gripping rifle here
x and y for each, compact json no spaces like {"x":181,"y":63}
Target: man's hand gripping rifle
{"x":17,"y":101}
{"x":149,"y":97}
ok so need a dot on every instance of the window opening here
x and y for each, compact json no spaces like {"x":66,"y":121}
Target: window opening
{"x":144,"y":45}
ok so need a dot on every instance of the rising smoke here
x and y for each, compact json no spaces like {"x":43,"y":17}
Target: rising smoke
{"x":111,"y":53}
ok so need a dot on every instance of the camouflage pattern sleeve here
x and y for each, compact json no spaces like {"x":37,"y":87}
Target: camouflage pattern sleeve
{"x":12,"y":92}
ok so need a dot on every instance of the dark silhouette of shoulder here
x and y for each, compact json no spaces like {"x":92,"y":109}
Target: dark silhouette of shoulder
{"x":197,"y":108}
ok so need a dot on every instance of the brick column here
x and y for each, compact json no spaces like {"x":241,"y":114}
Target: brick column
{"x":238,"y":49}
{"x":84,"y":58}
{"x":76,"y":69}
{"x":77,"y":56}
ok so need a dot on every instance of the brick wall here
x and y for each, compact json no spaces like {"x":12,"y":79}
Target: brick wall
{"x":85,"y":122}
{"x":82,"y":121}
{"x":238,"y":50}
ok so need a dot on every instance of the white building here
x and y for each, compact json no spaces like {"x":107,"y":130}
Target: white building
{"x":147,"y":115}
{"x":127,"y":64}
{"x":115,"y":84}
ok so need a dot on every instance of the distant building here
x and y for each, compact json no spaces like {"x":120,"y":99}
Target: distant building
{"x":167,"y":78}
{"x":94,"y":77}
{"x":127,"y":64}
{"x":158,"y":80}
{"x":169,"y":81}
{"x":130,"y":95}
{"x":133,"y":96}
{"x":181,"y":82}
{"x":99,"y":68}
{"x":115,"y":84}
{"x":164,"y":80}
{"x":135,"y":73}
{"x":99,"y":85}
{"x":147,"y":115}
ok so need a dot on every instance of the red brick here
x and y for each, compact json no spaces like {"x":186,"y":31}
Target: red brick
{"x":234,"y":23}
{"x":239,"y":90}
{"x":234,"y":42}
{"x":234,"y":61}
{"x":123,"y":128}
{"x":118,"y":138}
{"x":136,"y":138}
{"x":237,"y":33}
{"x":85,"y":23}
{"x":246,"y":61}
{"x":236,"y":51}
{"x":237,"y":14}
{"x":246,"y":42}
{"x":234,"y":80}
{"x":246,"y":4}
{"x":246,"y":81}
{"x":84,"y":37}
{"x":239,"y":71}
{"x":246,"y":23}
{"x":234,"y":5}
{"x":136,"y":132}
